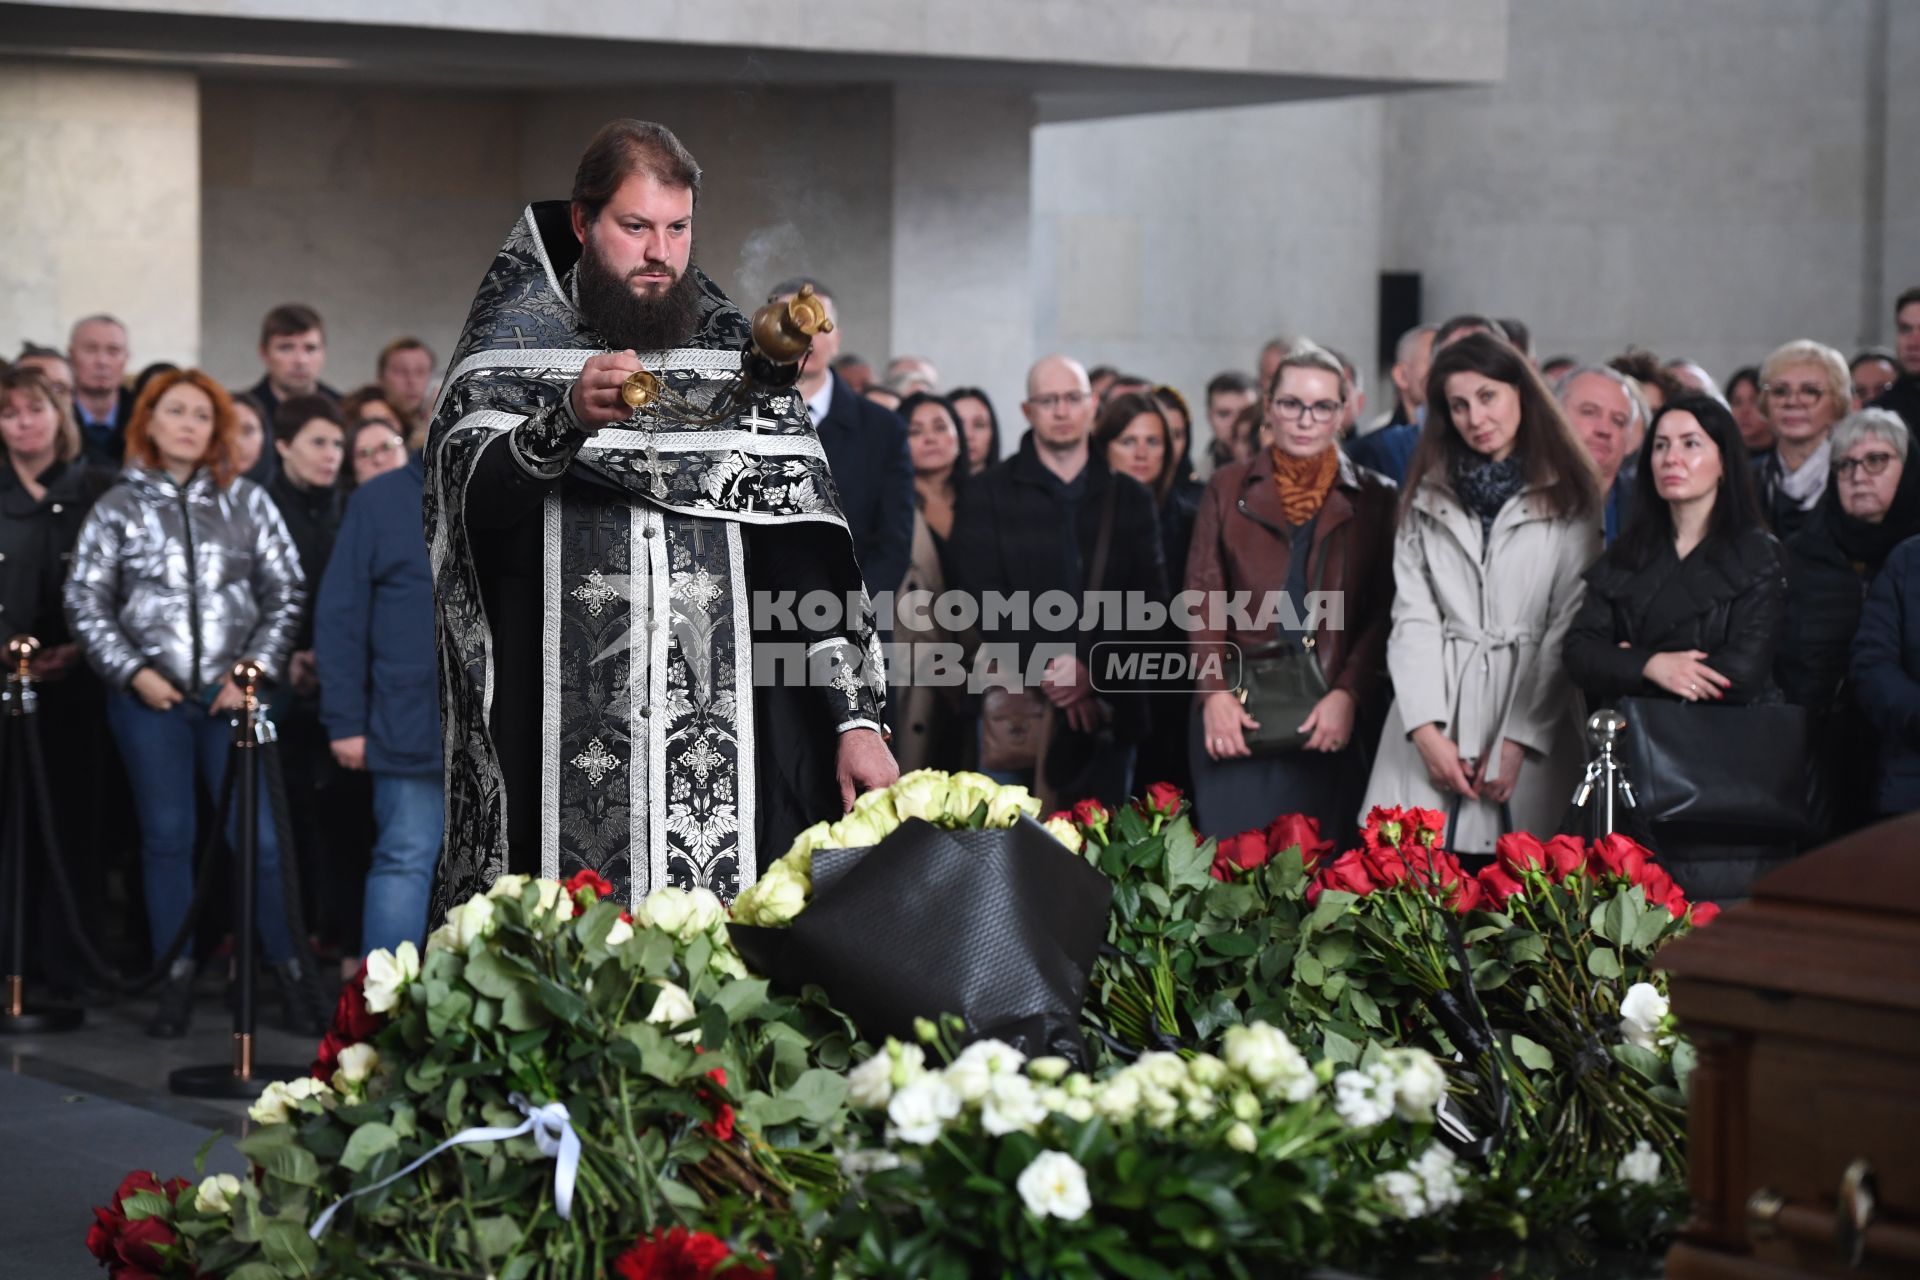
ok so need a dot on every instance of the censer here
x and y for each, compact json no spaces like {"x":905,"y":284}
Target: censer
{"x":782,"y":334}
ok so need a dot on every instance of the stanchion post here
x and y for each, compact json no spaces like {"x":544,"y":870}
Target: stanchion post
{"x":21,"y":1015}
{"x":242,"y":1078}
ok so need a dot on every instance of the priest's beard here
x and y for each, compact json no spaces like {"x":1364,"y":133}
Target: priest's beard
{"x":627,"y":320}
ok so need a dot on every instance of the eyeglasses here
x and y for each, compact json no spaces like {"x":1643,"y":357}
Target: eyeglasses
{"x":1873,"y":464}
{"x":1054,"y":400}
{"x":1808,"y":391}
{"x":1290,"y":409}
{"x":1867,"y":392}
{"x":386,"y":448}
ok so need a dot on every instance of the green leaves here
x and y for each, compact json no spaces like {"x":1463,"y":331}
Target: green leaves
{"x":368,"y":1141}
{"x":1534,"y":1056}
{"x":1187,"y":861}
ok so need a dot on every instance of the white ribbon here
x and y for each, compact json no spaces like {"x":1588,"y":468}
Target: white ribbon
{"x":552,"y":1132}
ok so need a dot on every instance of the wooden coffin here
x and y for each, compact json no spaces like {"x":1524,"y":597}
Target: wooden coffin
{"x":1804,"y":1121}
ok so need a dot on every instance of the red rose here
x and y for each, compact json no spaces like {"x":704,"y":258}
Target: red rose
{"x":106,"y":1227}
{"x":138,"y":1180}
{"x":326,"y":1058}
{"x":1499,"y":884}
{"x":1617,"y":855}
{"x":352,"y":1020}
{"x":1519,"y":853}
{"x":1291,"y":830}
{"x":1704,"y":913}
{"x":1091,"y":814}
{"x":1384,"y":864}
{"x":1243,"y":852}
{"x":1661,"y":890}
{"x":1347,"y":873}
{"x":138,"y":1243}
{"x":1466,"y":894}
{"x":1164,"y":799}
{"x":680,"y":1254}
{"x":1565,"y":856}
{"x":587,"y":878}
{"x":1063,"y":815}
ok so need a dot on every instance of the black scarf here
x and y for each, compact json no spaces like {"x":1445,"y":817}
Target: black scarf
{"x":1866,"y":544}
{"x":1484,"y":486}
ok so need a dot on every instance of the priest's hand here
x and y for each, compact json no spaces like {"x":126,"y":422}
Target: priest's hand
{"x":596,"y":392}
{"x":865,"y":765}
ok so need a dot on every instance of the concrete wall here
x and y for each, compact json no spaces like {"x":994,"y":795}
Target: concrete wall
{"x":383,"y":207}
{"x":1173,"y":246}
{"x":101,"y":170}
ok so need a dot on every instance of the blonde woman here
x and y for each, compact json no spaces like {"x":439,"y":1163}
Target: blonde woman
{"x":1804,"y":391}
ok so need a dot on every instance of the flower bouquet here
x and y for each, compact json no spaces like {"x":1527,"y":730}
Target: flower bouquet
{"x":937,"y":895}
{"x":551,"y":1088}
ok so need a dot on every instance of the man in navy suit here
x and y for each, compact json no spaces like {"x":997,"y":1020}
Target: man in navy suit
{"x":867,"y":453}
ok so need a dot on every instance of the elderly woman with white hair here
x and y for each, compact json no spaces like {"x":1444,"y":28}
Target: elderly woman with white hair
{"x":1804,"y":390}
{"x":1871,"y":506}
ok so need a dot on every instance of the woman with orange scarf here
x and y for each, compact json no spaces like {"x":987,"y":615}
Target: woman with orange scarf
{"x":1298,"y":532}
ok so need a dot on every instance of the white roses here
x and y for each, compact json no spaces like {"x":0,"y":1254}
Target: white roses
{"x":1641,"y":1012}
{"x":388,"y":973}
{"x":279,"y":1100}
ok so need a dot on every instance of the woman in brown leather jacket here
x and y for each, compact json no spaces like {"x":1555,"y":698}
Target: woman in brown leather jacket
{"x":1299,"y":517}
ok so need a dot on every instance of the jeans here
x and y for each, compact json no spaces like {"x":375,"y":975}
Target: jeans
{"x":164,"y":751}
{"x":409,"y":811}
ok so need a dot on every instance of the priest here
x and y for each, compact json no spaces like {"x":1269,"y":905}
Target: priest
{"x":595,"y":566}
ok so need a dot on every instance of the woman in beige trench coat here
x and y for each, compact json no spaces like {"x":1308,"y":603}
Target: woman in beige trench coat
{"x":1499,"y":517}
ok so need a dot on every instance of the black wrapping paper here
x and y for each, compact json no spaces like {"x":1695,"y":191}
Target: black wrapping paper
{"x":1000,"y":927}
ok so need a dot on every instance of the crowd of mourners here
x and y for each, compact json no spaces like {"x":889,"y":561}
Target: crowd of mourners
{"x":1513,"y":544}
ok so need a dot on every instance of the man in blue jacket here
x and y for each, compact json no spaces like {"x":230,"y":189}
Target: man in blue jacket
{"x":379,"y":693}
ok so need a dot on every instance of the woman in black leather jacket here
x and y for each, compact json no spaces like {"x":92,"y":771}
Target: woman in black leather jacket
{"x":1689,"y":602}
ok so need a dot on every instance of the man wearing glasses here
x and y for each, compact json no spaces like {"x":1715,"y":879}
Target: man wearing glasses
{"x":1054,"y":518}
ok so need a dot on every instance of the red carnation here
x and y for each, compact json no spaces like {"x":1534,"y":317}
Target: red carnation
{"x":1164,"y":799}
{"x":1422,"y":826}
{"x":1384,"y":827}
{"x":1565,"y":856}
{"x":680,"y":1254}
{"x":1519,"y":853}
{"x":1243,"y":852}
{"x":721,"y":1126}
{"x":587,"y":878}
{"x":1704,"y":913}
{"x":1499,"y":884}
{"x":1296,"y":829}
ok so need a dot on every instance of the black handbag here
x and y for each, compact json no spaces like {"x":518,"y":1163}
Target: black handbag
{"x":1738,"y":767}
{"x":1281,"y":683}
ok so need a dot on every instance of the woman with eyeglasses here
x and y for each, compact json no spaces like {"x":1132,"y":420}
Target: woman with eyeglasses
{"x":1804,"y":391}
{"x":1688,"y":604}
{"x":376,"y":443}
{"x":1871,"y":506}
{"x":1299,"y":518}
{"x":1500,"y":513}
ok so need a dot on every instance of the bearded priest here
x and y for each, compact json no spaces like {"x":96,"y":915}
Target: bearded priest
{"x":595,"y":566}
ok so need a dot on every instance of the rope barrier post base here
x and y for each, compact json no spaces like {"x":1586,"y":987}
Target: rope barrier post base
{"x":242,"y":1077}
{"x":20,"y":1014}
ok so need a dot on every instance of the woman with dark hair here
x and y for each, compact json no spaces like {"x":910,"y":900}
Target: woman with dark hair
{"x":1689,"y":602}
{"x":182,"y":569}
{"x":1500,"y":513}
{"x":1131,"y":433}
{"x":376,"y":440}
{"x":932,"y":732}
{"x":1182,"y":502}
{"x":979,"y":427}
{"x":1743,"y":397}
{"x":250,"y":431}
{"x":1297,"y":520}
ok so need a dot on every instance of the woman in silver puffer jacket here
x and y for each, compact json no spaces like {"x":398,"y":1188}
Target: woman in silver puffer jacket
{"x":182,"y":569}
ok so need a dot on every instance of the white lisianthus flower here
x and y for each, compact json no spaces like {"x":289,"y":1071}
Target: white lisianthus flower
{"x":1163,"y":1070}
{"x":858,"y":1164}
{"x":1245,"y":1106}
{"x":1404,"y":1193}
{"x":388,"y":973}
{"x":217,"y":1193}
{"x":1049,"y":1070}
{"x":921,"y":1110}
{"x":1207,"y":1070}
{"x":280,"y":1099}
{"x":997,"y":1056}
{"x":1078,"y":1110}
{"x":1418,"y":1084}
{"x":357,"y":1064}
{"x":1439,"y":1177}
{"x":1364,"y":1098}
{"x":1641,"y":1013}
{"x":620,"y":934}
{"x":1265,"y":1056}
{"x":1119,"y":1100}
{"x":1063,"y":830}
{"x":1008,"y":803}
{"x":870,"y":1084}
{"x":1642,"y":1164}
{"x":909,"y":1063}
{"x":1242,"y":1137}
{"x":1011,"y":1106}
{"x":471,"y":920}
{"x":1055,"y":1186}
{"x":921,"y":794}
{"x":672,"y":1007}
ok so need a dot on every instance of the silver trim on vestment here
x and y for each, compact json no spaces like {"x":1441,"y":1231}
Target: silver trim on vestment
{"x":550,"y":691}
{"x":746,"y":856}
{"x":659,"y":609}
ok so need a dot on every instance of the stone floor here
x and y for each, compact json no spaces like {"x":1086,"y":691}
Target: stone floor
{"x":79,"y":1110}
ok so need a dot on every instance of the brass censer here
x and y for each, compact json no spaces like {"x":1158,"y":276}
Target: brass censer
{"x":782,"y":334}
